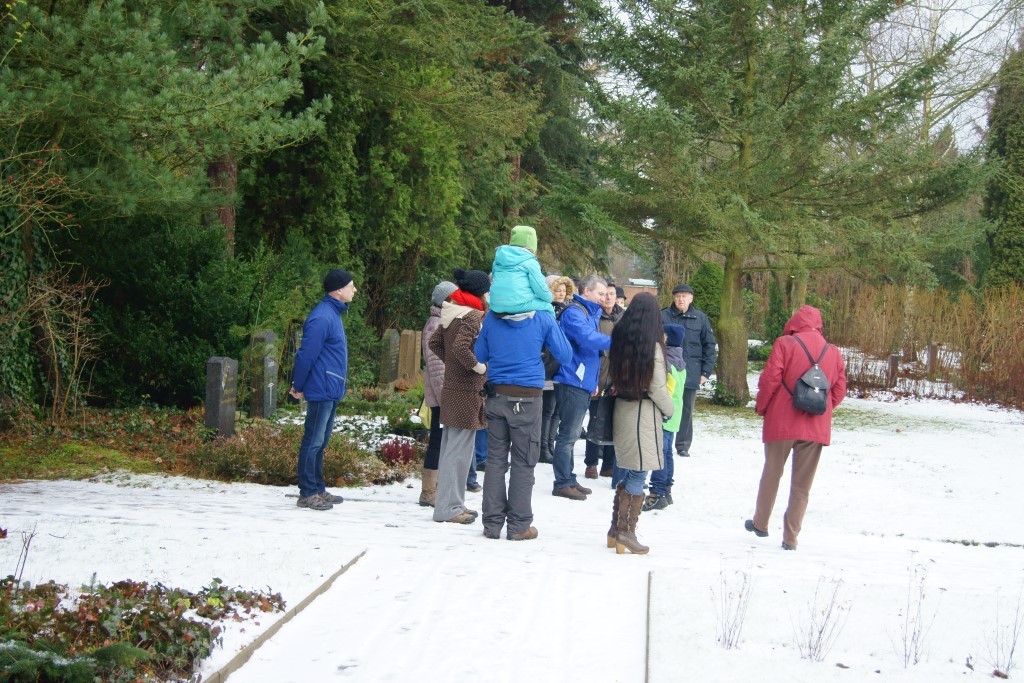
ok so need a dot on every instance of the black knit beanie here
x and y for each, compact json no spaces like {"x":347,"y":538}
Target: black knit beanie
{"x":336,"y":279}
{"x":475,"y":282}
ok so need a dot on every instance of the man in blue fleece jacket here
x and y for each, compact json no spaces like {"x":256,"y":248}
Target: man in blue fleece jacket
{"x":576,"y":382}
{"x":510,"y":345}
{"x":319,"y":377}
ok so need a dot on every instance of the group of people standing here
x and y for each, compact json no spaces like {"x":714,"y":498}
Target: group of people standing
{"x":526,"y":358}
{"x":520,"y":360}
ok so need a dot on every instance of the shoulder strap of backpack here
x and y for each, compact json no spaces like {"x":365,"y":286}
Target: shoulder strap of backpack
{"x":576,"y":304}
{"x":809,"y":357}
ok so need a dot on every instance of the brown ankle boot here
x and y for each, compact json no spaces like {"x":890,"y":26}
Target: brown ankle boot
{"x":629,"y":513}
{"x":429,"y":488}
{"x":613,"y":531}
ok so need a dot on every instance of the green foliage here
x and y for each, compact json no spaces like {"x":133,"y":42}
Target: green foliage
{"x":1004,"y":201}
{"x":19,"y":367}
{"x":122,"y":632}
{"x":707,"y":288}
{"x":427,"y":112}
{"x":778,"y":315}
{"x":116,"y":84}
{"x":759,"y":354}
{"x":172,"y":298}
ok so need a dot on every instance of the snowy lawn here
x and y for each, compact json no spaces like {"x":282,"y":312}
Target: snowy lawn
{"x":902,"y":485}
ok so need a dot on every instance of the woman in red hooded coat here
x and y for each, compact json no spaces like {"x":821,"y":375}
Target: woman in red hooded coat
{"x":788,"y":429}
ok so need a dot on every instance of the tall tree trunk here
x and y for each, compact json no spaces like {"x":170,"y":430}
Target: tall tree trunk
{"x":799,"y":295}
{"x":732,"y":341}
{"x":223,"y":175}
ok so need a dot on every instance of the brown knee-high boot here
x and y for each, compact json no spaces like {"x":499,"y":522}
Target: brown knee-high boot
{"x":613,"y":531}
{"x":429,"y":488}
{"x":629,"y":513}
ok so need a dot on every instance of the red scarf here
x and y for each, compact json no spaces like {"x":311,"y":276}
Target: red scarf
{"x":466,"y":299}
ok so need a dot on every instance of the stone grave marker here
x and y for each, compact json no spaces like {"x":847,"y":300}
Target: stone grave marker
{"x":390,"y":350}
{"x":264,"y":390}
{"x":221,"y":394}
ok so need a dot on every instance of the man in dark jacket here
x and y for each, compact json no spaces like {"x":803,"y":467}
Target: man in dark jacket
{"x":699,"y":350}
{"x":319,"y":377}
{"x":510,"y":346}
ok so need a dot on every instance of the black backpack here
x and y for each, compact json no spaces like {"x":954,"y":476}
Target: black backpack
{"x":550,"y":362}
{"x":810,"y":393}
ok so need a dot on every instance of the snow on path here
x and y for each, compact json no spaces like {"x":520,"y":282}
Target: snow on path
{"x":440,"y":602}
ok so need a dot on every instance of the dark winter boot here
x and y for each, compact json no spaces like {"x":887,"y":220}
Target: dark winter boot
{"x":629,"y":514}
{"x":668,"y":496}
{"x":613,"y":531}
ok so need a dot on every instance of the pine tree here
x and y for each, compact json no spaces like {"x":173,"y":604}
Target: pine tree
{"x":1004,"y":201}
{"x":745,"y":131}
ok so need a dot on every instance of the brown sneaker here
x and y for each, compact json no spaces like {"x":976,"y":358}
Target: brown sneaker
{"x":591,"y":473}
{"x":461,"y":518}
{"x":527,"y":535}
{"x":606,"y":472}
{"x":570,"y":492}
{"x":492,"y":533}
{"x":582,"y":489}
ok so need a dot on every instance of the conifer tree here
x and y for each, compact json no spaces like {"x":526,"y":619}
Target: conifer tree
{"x":745,"y":130}
{"x":1004,"y":201}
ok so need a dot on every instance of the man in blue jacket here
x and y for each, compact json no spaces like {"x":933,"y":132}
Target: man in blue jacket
{"x":510,"y":345}
{"x":576,"y":382}
{"x":319,"y":377}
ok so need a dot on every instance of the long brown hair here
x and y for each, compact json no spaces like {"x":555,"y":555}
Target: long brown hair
{"x":635,"y":339}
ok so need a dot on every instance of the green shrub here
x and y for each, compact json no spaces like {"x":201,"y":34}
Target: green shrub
{"x":759,"y":354}
{"x":707,"y":284}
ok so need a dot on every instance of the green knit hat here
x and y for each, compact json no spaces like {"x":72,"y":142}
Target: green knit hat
{"x":524,"y":236}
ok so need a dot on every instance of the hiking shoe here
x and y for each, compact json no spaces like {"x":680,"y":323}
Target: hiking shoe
{"x":492,"y":533}
{"x":591,"y":473}
{"x":606,"y":472}
{"x":683,"y":454}
{"x":474,"y":488}
{"x":314,"y":502}
{"x":570,"y":492}
{"x":786,"y":546}
{"x":471,"y":512}
{"x":331,"y":498}
{"x":527,"y":535}
{"x":582,"y":489}
{"x":749,"y":526}
{"x":461,"y":518}
{"x":655,"y":502}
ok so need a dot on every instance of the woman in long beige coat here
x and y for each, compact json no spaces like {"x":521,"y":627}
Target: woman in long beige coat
{"x":637,"y":366}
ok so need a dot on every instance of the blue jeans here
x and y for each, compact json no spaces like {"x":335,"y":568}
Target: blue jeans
{"x":479,"y":456}
{"x":571,"y":404}
{"x":634,"y":482}
{"x":661,"y":480}
{"x":319,"y":425}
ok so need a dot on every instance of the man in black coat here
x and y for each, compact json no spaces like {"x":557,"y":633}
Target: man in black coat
{"x":699,"y":350}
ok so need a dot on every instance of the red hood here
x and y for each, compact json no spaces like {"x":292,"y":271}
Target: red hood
{"x":806,"y":318}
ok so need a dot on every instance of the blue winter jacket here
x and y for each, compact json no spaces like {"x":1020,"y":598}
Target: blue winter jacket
{"x":517,"y":284}
{"x":511,"y":348}
{"x":587,"y":344}
{"x":321,"y":363}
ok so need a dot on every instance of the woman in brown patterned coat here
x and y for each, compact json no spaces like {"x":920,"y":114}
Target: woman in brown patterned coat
{"x":462,"y":406}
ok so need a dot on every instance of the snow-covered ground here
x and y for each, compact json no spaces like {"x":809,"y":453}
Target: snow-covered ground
{"x":902,"y":485}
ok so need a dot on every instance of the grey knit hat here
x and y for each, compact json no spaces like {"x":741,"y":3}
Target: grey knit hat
{"x":443,"y":290}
